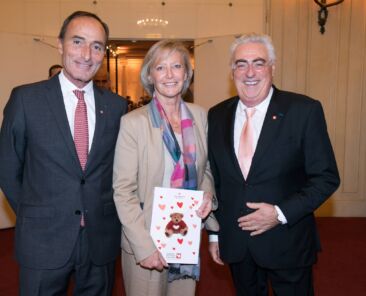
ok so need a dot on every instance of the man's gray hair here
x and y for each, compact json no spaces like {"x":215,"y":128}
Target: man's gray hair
{"x":253,"y":38}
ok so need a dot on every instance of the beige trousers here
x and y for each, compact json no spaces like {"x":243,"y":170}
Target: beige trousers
{"x":139,"y":281}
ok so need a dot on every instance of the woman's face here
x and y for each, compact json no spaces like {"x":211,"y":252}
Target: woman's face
{"x":167,"y":75}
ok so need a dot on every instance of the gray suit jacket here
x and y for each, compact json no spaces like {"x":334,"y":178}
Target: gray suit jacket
{"x":42,"y":179}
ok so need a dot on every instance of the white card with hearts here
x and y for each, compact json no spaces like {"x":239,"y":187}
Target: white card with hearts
{"x":175,"y":226}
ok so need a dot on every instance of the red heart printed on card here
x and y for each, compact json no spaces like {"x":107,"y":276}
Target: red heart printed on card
{"x":172,"y":207}
{"x":191,"y":215}
{"x":164,"y":218}
{"x":189,"y":242}
{"x":157,"y":227}
{"x":161,"y":196}
{"x":192,"y":198}
{"x":179,"y":204}
{"x":196,"y":201}
{"x":194,"y":225}
{"x":180,"y":240}
{"x":158,"y":240}
{"x":162,"y":207}
{"x":173,"y":249}
{"x":163,"y":245}
{"x":194,"y":253}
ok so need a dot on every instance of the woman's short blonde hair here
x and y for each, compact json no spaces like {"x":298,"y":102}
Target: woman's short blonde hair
{"x":158,"y":51}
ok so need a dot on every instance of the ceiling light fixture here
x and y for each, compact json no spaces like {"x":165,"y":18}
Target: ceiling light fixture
{"x":154,"y":20}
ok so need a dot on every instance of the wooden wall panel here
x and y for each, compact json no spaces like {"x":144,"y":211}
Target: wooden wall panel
{"x":330,"y":67}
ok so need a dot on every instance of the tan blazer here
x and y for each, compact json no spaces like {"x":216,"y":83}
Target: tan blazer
{"x":139,"y":167}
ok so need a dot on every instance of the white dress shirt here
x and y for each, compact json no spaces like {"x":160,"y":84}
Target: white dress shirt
{"x":70,"y":101}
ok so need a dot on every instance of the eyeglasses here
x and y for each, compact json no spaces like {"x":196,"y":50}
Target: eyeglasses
{"x":257,"y":65}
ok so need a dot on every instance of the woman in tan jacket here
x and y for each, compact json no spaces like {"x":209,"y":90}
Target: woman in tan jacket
{"x":161,"y":144}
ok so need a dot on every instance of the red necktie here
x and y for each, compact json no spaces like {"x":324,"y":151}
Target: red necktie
{"x":81,"y":134}
{"x":246,"y":144}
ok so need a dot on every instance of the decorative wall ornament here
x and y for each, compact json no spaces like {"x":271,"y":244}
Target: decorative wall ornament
{"x":323,"y":12}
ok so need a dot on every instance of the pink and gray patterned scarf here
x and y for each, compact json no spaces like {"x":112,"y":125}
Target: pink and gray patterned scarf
{"x":184,"y":174}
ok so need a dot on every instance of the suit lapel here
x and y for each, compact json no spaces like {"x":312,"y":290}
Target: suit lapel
{"x":271,"y":125}
{"x":101,"y":110}
{"x":55,"y":100}
{"x":228,"y":133}
{"x":200,"y":145}
{"x":155,"y":144}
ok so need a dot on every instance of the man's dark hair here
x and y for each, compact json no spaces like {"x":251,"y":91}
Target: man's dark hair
{"x":77,"y":14}
{"x":53,"y":67}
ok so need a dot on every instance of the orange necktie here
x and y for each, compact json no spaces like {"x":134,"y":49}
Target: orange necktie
{"x":246,"y":144}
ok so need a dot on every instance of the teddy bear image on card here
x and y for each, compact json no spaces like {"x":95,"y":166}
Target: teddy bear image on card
{"x":175,"y":226}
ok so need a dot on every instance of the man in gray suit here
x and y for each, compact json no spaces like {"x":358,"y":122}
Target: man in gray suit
{"x":56,"y":151}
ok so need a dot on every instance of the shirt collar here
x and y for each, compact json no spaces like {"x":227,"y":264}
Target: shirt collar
{"x":69,"y":86}
{"x":262,"y":107}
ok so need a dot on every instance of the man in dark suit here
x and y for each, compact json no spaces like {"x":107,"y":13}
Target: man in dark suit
{"x":56,"y":152}
{"x":273,"y":166}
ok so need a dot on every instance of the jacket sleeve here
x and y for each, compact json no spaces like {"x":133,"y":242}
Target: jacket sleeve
{"x":320,"y":168}
{"x":211,"y":224}
{"x":12,"y":149}
{"x":125,"y":185}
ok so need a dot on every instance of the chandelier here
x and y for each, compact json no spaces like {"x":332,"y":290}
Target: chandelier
{"x":154,"y":18}
{"x":152,"y":22}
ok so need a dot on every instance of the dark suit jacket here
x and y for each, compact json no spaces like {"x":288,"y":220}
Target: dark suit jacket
{"x":41,"y":176}
{"x":293,"y":167}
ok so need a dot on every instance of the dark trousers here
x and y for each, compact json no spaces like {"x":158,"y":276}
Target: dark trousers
{"x":89,"y":279}
{"x":253,"y":280}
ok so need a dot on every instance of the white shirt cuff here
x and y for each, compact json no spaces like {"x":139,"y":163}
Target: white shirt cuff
{"x":281,"y":217}
{"x":213,"y":238}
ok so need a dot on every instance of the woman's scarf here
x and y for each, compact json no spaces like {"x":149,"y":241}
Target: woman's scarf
{"x":184,"y":174}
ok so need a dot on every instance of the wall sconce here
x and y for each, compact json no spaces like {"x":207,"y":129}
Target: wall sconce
{"x":323,"y":12}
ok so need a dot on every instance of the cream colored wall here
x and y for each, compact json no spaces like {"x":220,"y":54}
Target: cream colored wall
{"x":24,"y":60}
{"x":21,"y":21}
{"x":212,"y":82}
{"x":331,"y":68}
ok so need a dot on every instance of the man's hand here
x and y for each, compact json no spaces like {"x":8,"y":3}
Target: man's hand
{"x":154,"y":261}
{"x":213,"y":248}
{"x":262,"y":219}
{"x":206,"y":206}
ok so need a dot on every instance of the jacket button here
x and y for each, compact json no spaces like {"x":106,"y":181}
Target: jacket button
{"x":82,"y":182}
{"x":78,"y":212}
